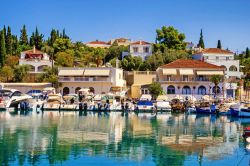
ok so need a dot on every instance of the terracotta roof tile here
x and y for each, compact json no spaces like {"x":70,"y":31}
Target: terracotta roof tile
{"x":140,"y":42}
{"x":190,"y":63}
{"x":97,"y":42}
{"x":215,"y":51}
{"x":33,"y":51}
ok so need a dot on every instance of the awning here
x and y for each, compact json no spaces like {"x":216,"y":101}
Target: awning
{"x":91,"y":72}
{"x":210,"y":73}
{"x":186,"y":72}
{"x":169,"y":71}
{"x":71,"y":72}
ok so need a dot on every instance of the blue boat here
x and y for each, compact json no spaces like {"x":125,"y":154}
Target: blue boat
{"x":145,"y":105}
{"x":206,"y":110}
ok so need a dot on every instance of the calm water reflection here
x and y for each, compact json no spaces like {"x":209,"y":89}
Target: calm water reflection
{"x":111,"y":139}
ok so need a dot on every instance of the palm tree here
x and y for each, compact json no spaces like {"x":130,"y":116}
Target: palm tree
{"x":216,"y":79}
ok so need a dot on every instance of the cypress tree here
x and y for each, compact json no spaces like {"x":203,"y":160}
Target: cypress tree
{"x":4,"y":31}
{"x":247,"y":53}
{"x":219,"y":44}
{"x":2,"y":49}
{"x":53,"y":37}
{"x":38,"y":39}
{"x":24,"y":36}
{"x":9,"y":42}
{"x":201,"y":42}
{"x":14,"y":45}
{"x":32,"y":39}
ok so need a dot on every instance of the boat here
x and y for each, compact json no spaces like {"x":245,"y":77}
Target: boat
{"x":205,"y":108}
{"x":13,"y":98}
{"x":144,"y":105}
{"x":54,"y":102}
{"x":177,"y":105}
{"x":240,"y":110}
{"x":162,"y":103}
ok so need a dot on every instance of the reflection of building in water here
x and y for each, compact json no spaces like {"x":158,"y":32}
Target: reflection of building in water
{"x":211,"y":139}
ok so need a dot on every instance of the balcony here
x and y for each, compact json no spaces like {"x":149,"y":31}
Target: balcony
{"x":204,"y":79}
{"x":83,"y":79}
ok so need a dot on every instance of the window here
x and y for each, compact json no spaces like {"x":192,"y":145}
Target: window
{"x":227,"y":58}
{"x":185,"y":78}
{"x":216,"y":89}
{"x":169,"y":78}
{"x":65,"y":91}
{"x":171,"y":89}
{"x":232,"y":68}
{"x":217,"y":58}
{"x":201,"y":90}
{"x":224,"y":67}
{"x":186,"y":90}
{"x":145,"y":49}
{"x":17,"y":93}
{"x":135,"y":49}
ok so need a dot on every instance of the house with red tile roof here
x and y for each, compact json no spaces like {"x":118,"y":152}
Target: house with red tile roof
{"x":188,"y":77}
{"x":37,"y":60}
{"x":97,"y":43}
{"x":140,"y":48}
{"x":226,"y":59}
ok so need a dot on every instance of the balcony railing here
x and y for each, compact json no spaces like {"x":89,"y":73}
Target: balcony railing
{"x":184,"y":79}
{"x":83,"y":79}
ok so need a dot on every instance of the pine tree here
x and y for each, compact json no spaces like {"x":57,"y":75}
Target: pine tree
{"x":219,"y":44}
{"x":247,"y":53}
{"x":9,"y":42}
{"x":201,"y":42}
{"x":2,"y":49}
{"x":24,"y":36}
{"x":64,"y":35}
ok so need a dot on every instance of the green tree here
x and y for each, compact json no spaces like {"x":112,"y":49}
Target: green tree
{"x":12,"y":61}
{"x":2,"y":49}
{"x":155,"y":60}
{"x":7,"y":74}
{"x":247,"y":53}
{"x":9,"y":42}
{"x":98,"y":56}
{"x":170,"y":38}
{"x":14,"y":45}
{"x":21,"y":73}
{"x":201,"y":41}
{"x":61,"y":45}
{"x":23,"y":37}
{"x":155,"y":89}
{"x":170,"y":55}
{"x":115,"y":51}
{"x":219,"y":44}
{"x":32,"y":39}
{"x":65,"y":59}
{"x":216,"y":79}
{"x":38,"y":39}
{"x":49,"y":75}
{"x":5,"y":33}
{"x":130,"y":63}
{"x":53,"y":37}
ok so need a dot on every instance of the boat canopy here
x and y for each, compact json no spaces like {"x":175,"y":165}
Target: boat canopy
{"x":146,"y":103}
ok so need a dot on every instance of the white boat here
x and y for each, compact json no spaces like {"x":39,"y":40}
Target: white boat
{"x":12,"y":98}
{"x":162,"y":103}
{"x":240,"y":110}
{"x":54,"y":102}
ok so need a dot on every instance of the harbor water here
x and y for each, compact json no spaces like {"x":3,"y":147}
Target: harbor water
{"x":73,"y":138}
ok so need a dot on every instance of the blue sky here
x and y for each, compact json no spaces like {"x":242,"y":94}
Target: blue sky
{"x":87,"y":20}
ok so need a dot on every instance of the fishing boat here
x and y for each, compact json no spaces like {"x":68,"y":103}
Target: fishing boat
{"x":144,"y":105}
{"x":177,"y":105}
{"x":206,"y":108}
{"x":240,"y":110}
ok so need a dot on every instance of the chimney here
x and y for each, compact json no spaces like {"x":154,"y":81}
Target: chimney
{"x":34,"y":49}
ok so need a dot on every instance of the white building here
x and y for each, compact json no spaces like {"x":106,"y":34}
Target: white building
{"x":98,"y":80}
{"x":226,"y":59}
{"x":37,"y":60}
{"x":187,"y":77}
{"x":140,"y":48}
